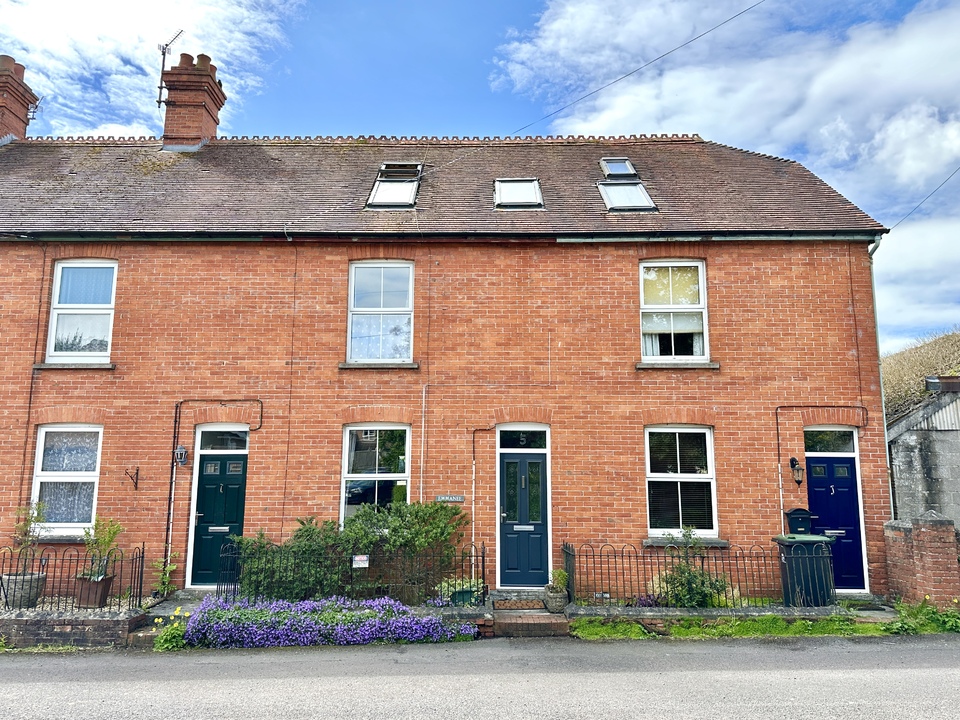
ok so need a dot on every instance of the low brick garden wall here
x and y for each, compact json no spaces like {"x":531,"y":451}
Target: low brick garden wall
{"x":94,"y":628}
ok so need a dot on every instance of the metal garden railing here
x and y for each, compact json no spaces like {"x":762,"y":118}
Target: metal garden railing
{"x":69,"y":579}
{"x":452,"y":576}
{"x":678,"y":576}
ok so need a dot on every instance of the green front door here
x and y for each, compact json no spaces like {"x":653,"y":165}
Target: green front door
{"x":220,"y":496}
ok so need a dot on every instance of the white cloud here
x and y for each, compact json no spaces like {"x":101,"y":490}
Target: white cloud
{"x":97,"y":64}
{"x":866,"y":96}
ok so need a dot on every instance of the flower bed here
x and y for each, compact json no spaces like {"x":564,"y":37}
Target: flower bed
{"x":220,"y":623}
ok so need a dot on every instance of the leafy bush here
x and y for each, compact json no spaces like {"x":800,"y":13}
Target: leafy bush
{"x":686,"y":584}
{"x":316,"y":561}
{"x":333,"y":621}
{"x":312,"y":563}
{"x":412,"y":528}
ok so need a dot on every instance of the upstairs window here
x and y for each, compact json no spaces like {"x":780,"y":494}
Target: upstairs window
{"x":65,"y":476}
{"x":518,"y":193}
{"x":622,"y":189}
{"x":81,"y":320}
{"x":396,"y":186}
{"x":673,"y":311}
{"x":380,"y":312}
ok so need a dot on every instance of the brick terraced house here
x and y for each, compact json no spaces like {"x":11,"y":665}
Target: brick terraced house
{"x":583,"y":339}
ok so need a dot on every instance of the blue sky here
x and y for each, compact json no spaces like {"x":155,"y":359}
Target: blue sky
{"x":866,"y":94}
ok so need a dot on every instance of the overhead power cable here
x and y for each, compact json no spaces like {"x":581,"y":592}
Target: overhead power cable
{"x":932,"y":193}
{"x":483,"y":146}
{"x":636,"y":70}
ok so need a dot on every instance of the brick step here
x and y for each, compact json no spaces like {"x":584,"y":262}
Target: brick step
{"x":529,"y":623}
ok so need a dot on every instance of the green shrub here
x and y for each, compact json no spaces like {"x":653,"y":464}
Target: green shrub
{"x":316,"y":561}
{"x":412,"y":528}
{"x":686,"y":584}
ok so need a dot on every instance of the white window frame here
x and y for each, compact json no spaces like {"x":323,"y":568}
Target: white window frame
{"x":57,"y":309}
{"x":626,"y":178}
{"x":606,"y":164}
{"x":353,"y":312}
{"x":345,"y":476}
{"x":41,"y":476}
{"x":502,"y":202}
{"x":700,"y":307}
{"x":391,"y":176}
{"x":709,"y":477}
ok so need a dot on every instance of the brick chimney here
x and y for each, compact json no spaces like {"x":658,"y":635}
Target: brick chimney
{"x":16,"y":97}
{"x":194,"y":100}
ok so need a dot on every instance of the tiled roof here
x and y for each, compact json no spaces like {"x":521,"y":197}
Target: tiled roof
{"x":321,"y":185}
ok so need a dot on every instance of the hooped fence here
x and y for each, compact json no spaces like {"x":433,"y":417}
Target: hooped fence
{"x":678,"y":576}
{"x":448,"y":576}
{"x":69,"y":579}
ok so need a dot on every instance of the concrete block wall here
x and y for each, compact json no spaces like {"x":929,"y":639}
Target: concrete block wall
{"x":503,"y":332}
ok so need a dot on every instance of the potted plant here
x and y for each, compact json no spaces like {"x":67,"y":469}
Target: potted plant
{"x":23,"y":588}
{"x":556,"y":591}
{"x":93,"y":583}
{"x":460,"y":591}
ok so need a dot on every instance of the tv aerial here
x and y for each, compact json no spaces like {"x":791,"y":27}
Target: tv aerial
{"x":163,"y":62}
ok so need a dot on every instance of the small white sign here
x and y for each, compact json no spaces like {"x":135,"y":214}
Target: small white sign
{"x":361,"y":561}
{"x":450,"y":498}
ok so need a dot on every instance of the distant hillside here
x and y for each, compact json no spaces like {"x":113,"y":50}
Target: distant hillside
{"x":903,"y":372}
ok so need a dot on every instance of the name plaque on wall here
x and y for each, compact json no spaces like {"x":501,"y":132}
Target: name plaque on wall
{"x":451,"y":498}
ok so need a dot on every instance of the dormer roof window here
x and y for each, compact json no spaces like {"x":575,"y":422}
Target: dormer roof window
{"x":622,"y":189}
{"x":396,"y":186}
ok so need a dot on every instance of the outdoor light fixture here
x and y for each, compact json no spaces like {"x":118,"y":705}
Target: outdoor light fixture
{"x":797,"y":470}
{"x":180,"y":455}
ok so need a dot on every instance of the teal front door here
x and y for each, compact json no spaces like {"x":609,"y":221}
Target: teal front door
{"x":524,"y":541}
{"x":220,"y":500}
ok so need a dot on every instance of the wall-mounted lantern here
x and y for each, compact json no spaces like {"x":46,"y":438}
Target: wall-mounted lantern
{"x":797,"y":469}
{"x":180,"y":455}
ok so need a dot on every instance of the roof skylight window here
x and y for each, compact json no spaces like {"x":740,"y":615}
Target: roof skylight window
{"x":617,"y":167}
{"x":622,"y":190}
{"x":518,"y":193}
{"x":396,"y":186}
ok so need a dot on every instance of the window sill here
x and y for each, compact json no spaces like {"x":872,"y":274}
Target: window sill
{"x":74,"y":366}
{"x":696,"y":365}
{"x":379,"y":366}
{"x":60,"y":540}
{"x":666,"y":542}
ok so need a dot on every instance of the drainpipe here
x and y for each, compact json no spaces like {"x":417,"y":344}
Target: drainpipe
{"x":883,"y":400}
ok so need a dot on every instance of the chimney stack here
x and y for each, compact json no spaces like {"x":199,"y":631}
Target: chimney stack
{"x":16,"y":98}
{"x":194,"y":100}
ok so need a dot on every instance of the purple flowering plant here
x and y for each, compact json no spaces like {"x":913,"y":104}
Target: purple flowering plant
{"x":221,"y":623}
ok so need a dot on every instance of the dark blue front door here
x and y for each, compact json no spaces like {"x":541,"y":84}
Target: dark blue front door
{"x":835,"y":511}
{"x":523,"y":519}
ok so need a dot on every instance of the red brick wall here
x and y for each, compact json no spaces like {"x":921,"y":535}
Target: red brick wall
{"x":922,"y":560}
{"x":502,"y":332}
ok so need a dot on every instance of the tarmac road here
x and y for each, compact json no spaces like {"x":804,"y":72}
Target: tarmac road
{"x":791,"y":679}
